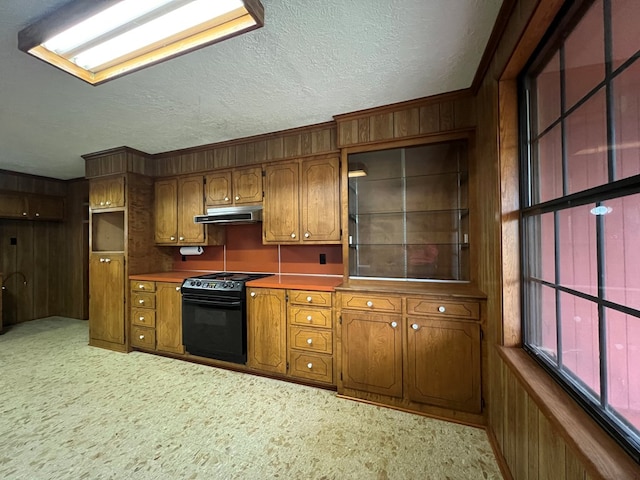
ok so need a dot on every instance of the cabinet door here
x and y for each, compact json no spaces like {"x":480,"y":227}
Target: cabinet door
{"x":106,"y":298}
{"x":107,"y":192}
{"x":320,"y":200}
{"x":444,"y":363}
{"x":166,"y":211}
{"x":46,"y":208}
{"x":372,"y":353}
{"x":281,"y":210}
{"x":13,"y":205}
{"x":218,"y":189}
{"x":267,"y":336}
{"x":190,"y":204}
{"x":247,"y":185}
{"x":169,"y":318}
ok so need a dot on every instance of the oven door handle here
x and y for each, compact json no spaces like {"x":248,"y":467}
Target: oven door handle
{"x":213,"y":303}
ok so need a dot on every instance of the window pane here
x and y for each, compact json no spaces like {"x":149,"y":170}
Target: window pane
{"x":543,"y":331}
{"x":623,"y":358}
{"x":584,"y":55}
{"x":577,"y":260}
{"x":586,"y":136}
{"x":547,"y":180}
{"x":622,"y":255}
{"x":624,"y":23}
{"x":547,"y":91}
{"x":626,"y":89}
{"x":580,"y":348}
{"x":541,"y":247}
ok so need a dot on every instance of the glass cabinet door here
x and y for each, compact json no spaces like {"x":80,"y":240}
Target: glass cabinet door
{"x":408,"y":212}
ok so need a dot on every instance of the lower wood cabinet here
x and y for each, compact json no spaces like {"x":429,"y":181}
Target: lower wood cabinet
{"x":266,"y":325}
{"x":416,"y":353}
{"x":156,"y":316}
{"x":107,"y":296}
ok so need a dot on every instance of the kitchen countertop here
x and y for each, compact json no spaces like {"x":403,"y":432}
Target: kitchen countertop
{"x":298,"y":282}
{"x":174,"y":276}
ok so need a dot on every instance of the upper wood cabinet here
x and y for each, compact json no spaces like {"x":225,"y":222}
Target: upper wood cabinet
{"x":177,"y":201}
{"x":108,"y":192}
{"x":234,"y":187}
{"x":302,"y":202}
{"x":267,"y":329}
{"x":30,"y":206}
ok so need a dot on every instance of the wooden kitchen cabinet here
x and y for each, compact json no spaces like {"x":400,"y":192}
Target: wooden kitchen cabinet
{"x":169,"y":318}
{"x":143,"y":315}
{"x":106,"y":305}
{"x":267,"y":332}
{"x":31,"y":206}
{"x":444,"y":363}
{"x":108,"y":192}
{"x":372,"y":352}
{"x":177,"y":201}
{"x":234,"y":187}
{"x":302,"y":202}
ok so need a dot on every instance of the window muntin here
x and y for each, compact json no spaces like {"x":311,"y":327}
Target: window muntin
{"x":581,"y":210}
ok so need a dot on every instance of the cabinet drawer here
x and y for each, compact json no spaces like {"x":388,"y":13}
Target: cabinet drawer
{"x":143,"y":317}
{"x":313,"y":317}
{"x":307,"y":297}
{"x":143,"y":337}
{"x":143,"y":300}
{"x":445,"y":308}
{"x":142,"y":286}
{"x":311,"y":339}
{"x":311,"y":366}
{"x":363,"y":301}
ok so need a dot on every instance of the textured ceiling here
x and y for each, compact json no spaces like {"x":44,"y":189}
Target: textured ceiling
{"x":312,"y":60}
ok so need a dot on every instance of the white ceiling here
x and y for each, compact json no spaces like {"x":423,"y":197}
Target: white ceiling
{"x":313,"y":59}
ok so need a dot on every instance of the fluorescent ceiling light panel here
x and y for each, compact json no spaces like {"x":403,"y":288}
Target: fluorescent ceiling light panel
{"x":99,"y":41}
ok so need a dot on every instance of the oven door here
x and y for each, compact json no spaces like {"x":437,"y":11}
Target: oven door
{"x":215,"y":327}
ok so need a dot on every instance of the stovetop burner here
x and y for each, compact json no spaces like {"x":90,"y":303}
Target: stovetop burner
{"x":225,"y":281}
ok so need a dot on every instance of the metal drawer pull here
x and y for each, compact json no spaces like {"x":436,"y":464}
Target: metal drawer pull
{"x":309,"y":341}
{"x":141,"y":337}
{"x":108,"y":202}
{"x":441,"y":309}
{"x":172,"y":238}
{"x":415,"y":326}
{"x":226,"y":199}
{"x":309,"y":365}
{"x":102,"y":260}
{"x":253,"y":294}
{"x":141,"y":319}
{"x":237,"y":197}
{"x":293,"y":235}
{"x":37,"y":214}
{"x":309,"y":299}
{"x":309,"y":318}
{"x":107,"y":260}
{"x":394,"y":324}
{"x":369,"y":303}
{"x":181,"y":239}
{"x":141,"y":286}
{"x":141,"y":302}
{"x":307,"y":235}
{"x":177,"y":289}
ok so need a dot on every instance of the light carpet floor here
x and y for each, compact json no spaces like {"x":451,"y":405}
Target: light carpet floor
{"x":70,"y":411}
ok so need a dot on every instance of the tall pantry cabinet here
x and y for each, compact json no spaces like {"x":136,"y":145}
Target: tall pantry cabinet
{"x":121,"y":239}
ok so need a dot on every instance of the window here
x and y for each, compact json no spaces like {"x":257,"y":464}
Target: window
{"x":580,"y":141}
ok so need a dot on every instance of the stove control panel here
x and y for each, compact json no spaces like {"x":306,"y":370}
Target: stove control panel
{"x":213,"y":285}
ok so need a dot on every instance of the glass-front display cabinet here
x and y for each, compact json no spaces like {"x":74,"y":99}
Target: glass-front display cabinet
{"x":409,"y":214}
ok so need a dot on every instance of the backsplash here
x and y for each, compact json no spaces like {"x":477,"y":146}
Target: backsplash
{"x":245,"y":252}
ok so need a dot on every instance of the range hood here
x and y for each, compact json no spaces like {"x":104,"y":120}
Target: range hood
{"x":240,"y":214}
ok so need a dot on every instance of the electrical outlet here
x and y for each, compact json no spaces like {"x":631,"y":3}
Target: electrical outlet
{"x":323,"y":259}
{"x":13,"y":241}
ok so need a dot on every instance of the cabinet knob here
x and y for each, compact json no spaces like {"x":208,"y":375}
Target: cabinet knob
{"x":141,"y":302}
{"x":141,"y":319}
{"x":141,"y":286}
{"x":108,"y":202}
{"x":102,"y":204}
{"x":181,"y":239}
{"x":172,"y":238}
{"x":307,"y":235}
{"x":226,"y":199}
{"x":309,"y":318}
{"x":369,"y":303}
{"x":141,"y":337}
{"x":441,"y":309}
{"x":394,"y":324}
{"x":415,"y":326}
{"x":37,"y":214}
{"x":177,"y":289}
{"x":102,"y":260}
{"x":309,"y":299}
{"x":107,"y":260}
{"x":293,"y":235}
{"x":24,"y":214}
{"x":309,"y":365}
{"x":237,"y":197}
{"x":309,"y":341}
{"x":253,"y":294}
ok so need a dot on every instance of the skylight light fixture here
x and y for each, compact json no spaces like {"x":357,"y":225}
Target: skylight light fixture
{"x":99,"y":41}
